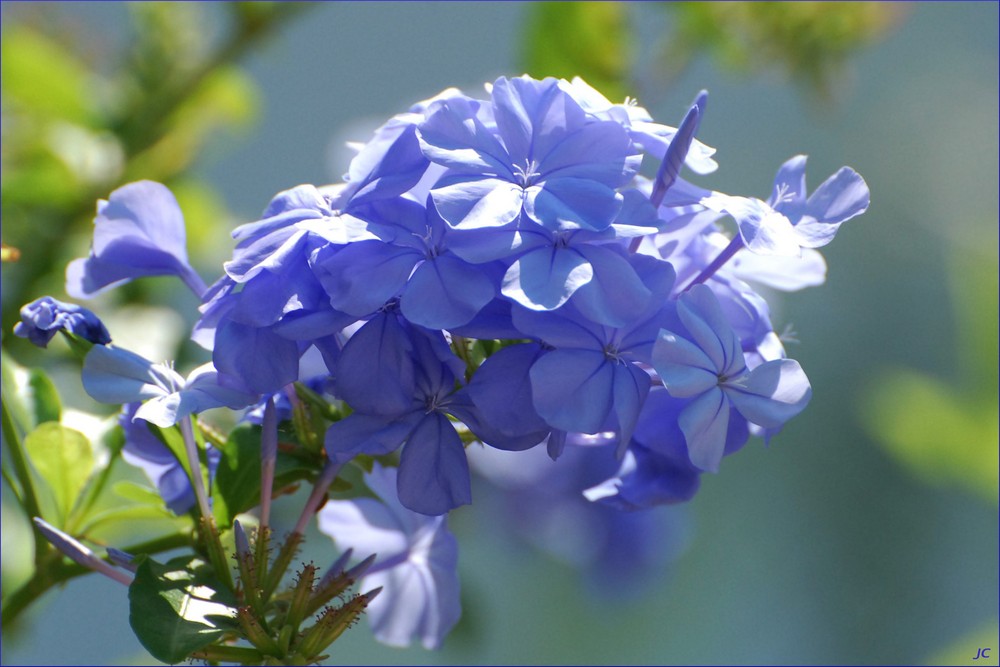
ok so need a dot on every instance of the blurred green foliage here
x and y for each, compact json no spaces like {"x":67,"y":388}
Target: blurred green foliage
{"x":946,"y":430}
{"x":75,"y":126}
{"x":808,"y":41}
{"x":592,"y":40}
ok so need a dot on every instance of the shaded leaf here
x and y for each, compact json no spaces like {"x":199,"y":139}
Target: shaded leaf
{"x":178,"y":607}
{"x":236,"y":487}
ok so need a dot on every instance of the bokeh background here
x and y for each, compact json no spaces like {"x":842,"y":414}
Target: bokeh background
{"x":865,"y":534}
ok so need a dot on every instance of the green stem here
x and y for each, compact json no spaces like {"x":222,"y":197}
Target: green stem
{"x":29,"y":501}
{"x":237,"y":654}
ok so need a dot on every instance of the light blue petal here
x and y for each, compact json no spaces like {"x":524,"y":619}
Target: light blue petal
{"x":465,"y":203}
{"x":631,"y":385}
{"x":615,"y":296}
{"x":683,"y":367}
{"x":840,"y":198}
{"x":772,"y":393}
{"x":113,"y":375}
{"x":546,"y":278}
{"x":705,"y":423}
{"x":433,"y":470}
{"x":445,"y":292}
{"x":572,"y":203}
{"x":699,"y":310}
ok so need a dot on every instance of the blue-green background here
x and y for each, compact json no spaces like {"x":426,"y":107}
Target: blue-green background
{"x":819,"y":549}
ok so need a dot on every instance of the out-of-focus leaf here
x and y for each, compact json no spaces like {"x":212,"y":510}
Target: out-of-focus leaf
{"x":64,"y":459}
{"x":225,"y":100}
{"x":177,"y":608}
{"x":936,"y":433}
{"x":965,"y":649}
{"x":808,"y":40}
{"x":43,"y":397}
{"x":586,"y":39}
{"x":947,"y":432}
{"x":45,"y":79}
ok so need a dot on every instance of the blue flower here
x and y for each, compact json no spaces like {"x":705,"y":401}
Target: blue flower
{"x":789,"y":220}
{"x":591,"y":376}
{"x":43,"y":318}
{"x":704,"y":361}
{"x":400,"y":381}
{"x":416,"y":564}
{"x":138,"y":232}
{"x":411,"y":260}
{"x":114,"y":375}
{"x":533,"y":149}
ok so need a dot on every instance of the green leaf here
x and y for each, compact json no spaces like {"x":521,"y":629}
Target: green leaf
{"x":178,"y":607}
{"x":137,"y":493}
{"x":586,"y":39}
{"x":64,"y":459}
{"x":236,"y":487}
{"x":43,"y":398}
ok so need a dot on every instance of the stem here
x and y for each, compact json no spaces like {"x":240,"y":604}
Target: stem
{"x":237,"y":654}
{"x":29,"y":500}
{"x":734,"y":246}
{"x":197,"y":480}
{"x":326,"y":478}
{"x":55,"y":571}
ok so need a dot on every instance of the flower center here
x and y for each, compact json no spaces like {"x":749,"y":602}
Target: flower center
{"x":528,"y":174}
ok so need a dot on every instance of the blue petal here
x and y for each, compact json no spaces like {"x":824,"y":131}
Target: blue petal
{"x":445,"y":292}
{"x":363,"y":434}
{"x":600,"y":151}
{"x":559,"y":329}
{"x":380,"y":171}
{"x":573,"y":389}
{"x":375,"y":372}
{"x":139,"y":231}
{"x":546,"y":278}
{"x":454,"y":137}
{"x":262,"y":359}
{"x":501,"y":390}
{"x":433,"y":470}
{"x":364,"y":275}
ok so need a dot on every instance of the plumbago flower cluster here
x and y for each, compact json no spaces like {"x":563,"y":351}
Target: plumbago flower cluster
{"x":491,"y":271}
